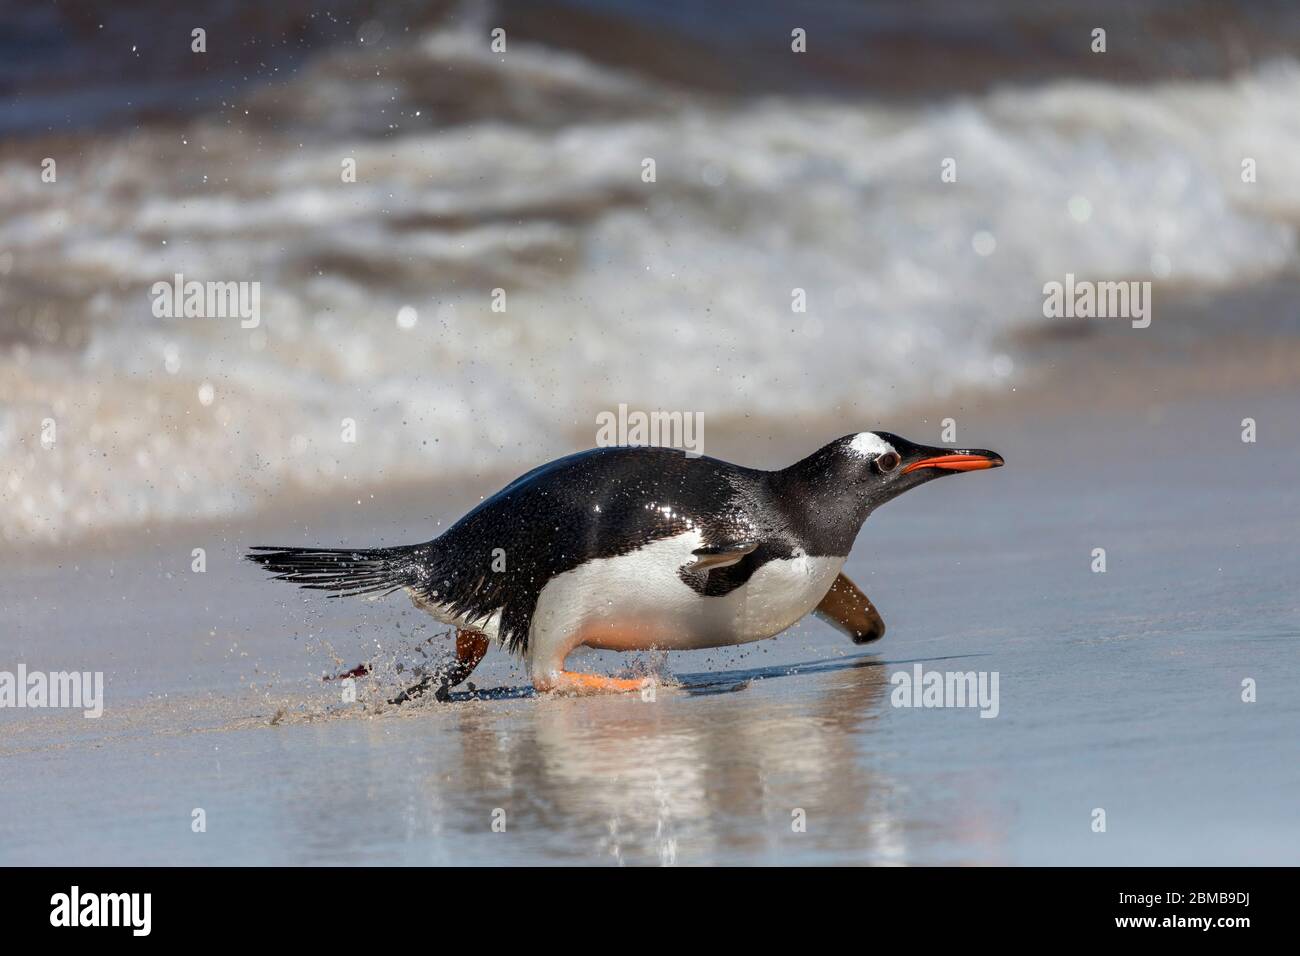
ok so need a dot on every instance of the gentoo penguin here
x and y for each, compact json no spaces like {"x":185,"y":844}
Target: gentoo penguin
{"x":633,"y":548}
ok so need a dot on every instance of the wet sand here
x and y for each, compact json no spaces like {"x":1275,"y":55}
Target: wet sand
{"x":1119,"y":691}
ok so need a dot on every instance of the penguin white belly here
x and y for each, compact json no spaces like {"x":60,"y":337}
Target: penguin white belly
{"x":637,"y":601}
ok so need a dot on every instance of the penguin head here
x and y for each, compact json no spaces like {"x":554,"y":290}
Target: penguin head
{"x":882,"y":465}
{"x":840,"y":484}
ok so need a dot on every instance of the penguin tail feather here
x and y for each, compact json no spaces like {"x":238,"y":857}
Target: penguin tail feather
{"x":347,"y":571}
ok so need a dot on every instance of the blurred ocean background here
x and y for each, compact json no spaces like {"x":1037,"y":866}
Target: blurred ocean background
{"x":521,"y":171}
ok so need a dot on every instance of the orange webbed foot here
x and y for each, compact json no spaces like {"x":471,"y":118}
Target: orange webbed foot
{"x":573,"y":682}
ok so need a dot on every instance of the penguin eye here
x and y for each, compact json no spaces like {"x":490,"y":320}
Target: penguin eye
{"x":888,"y":462}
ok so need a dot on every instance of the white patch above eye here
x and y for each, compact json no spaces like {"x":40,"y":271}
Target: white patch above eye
{"x":870,"y":445}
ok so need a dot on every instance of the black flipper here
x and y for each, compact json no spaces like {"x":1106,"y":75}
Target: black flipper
{"x":720,"y":555}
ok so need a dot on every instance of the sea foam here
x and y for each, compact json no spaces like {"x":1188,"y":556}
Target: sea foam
{"x":671,"y":294}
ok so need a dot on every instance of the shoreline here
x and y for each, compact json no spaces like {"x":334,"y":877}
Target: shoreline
{"x":1098,"y":368}
{"x":213,"y":683}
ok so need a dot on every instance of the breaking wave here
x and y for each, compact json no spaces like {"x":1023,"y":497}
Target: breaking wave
{"x":524,"y":173}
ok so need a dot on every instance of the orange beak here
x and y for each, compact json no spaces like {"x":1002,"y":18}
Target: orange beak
{"x":960,"y":462}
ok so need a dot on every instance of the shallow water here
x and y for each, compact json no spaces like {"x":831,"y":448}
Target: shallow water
{"x":523,"y":173}
{"x":1118,"y":691}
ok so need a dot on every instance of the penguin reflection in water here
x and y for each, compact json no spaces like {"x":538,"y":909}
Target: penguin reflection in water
{"x":641,"y":548}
